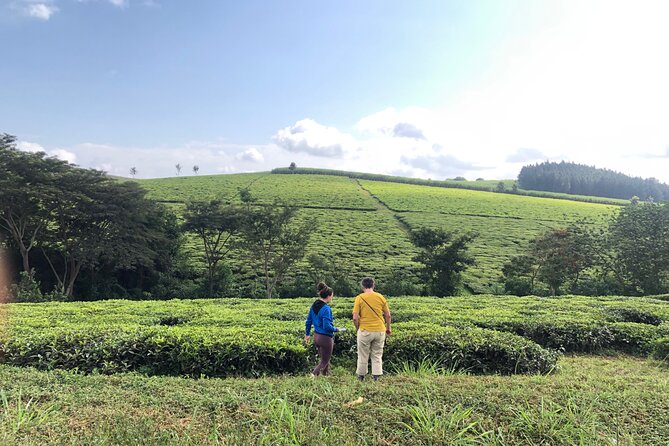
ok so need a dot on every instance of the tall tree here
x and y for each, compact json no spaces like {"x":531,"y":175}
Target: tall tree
{"x":444,"y":257}
{"x":98,"y":221}
{"x":554,"y":258}
{"x":215,"y":225}
{"x":639,"y":241}
{"x":275,"y":240}
{"x":29,"y":186}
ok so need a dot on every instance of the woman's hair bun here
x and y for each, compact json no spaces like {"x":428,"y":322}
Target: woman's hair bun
{"x":323,"y":290}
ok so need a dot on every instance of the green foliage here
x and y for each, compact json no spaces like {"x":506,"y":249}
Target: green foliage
{"x":23,"y":415}
{"x":550,"y":423}
{"x":402,"y":282}
{"x":639,"y":247}
{"x":480,"y":184}
{"x":474,"y":350}
{"x":215,"y":225}
{"x":83,"y":223}
{"x":369,"y":239}
{"x":223,"y":337}
{"x":329,"y":269}
{"x":588,"y":401}
{"x":27,"y":290}
{"x":274,"y":241}
{"x":555,"y":257}
{"x":443,"y":257}
{"x":661,"y":349}
{"x":431,"y":424}
{"x":580,"y":179}
{"x":475,"y":334}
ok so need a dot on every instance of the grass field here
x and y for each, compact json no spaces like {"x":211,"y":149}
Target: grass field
{"x":588,"y":401}
{"x":365,"y":224}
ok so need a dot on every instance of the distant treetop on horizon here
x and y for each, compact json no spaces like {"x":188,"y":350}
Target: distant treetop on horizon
{"x":579,"y":179}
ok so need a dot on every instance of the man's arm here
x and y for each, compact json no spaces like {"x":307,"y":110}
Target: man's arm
{"x":386,"y":315}
{"x":356,"y":321}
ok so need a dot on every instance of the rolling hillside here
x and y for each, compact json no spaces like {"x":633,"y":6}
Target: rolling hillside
{"x":364,"y":224}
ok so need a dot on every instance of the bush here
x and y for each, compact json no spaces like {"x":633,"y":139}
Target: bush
{"x":27,"y":290}
{"x":223,"y":337}
{"x":158,"y":351}
{"x":660,"y":349}
{"x":584,"y":337}
{"x":633,"y":315}
{"x":471,"y":349}
{"x":401,"y":283}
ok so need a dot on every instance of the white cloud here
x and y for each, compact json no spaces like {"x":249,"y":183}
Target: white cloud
{"x":26,"y":146}
{"x":119,"y":3}
{"x":310,"y":137}
{"x":62,"y":154}
{"x":41,"y":11}
{"x":251,"y":155}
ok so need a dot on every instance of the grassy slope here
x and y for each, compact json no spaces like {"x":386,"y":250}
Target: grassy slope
{"x":364,"y":224}
{"x":588,"y":401}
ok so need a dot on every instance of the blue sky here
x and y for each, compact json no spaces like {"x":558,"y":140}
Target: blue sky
{"x":423,"y":88}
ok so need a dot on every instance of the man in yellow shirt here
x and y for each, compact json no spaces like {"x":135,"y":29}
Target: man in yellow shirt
{"x":371,"y":318}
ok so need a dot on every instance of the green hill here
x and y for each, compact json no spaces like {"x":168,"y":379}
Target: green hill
{"x":364,"y":224}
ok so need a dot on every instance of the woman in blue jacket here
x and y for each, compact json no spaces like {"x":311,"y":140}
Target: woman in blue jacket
{"x":320,"y":316}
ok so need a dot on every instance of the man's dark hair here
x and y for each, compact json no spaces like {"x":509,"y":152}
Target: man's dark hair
{"x":367,"y":282}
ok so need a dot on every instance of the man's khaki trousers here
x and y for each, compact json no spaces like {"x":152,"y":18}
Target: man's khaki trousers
{"x":370,"y":343}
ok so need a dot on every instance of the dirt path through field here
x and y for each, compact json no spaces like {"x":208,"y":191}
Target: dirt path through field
{"x":383,"y":207}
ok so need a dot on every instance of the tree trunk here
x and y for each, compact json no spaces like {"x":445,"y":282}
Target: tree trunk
{"x":25,"y":255}
{"x":74,"y":269}
{"x":211,"y":281}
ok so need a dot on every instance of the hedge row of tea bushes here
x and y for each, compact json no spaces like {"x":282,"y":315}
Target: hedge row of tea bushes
{"x":480,"y":334}
{"x":186,"y":351}
{"x":197,"y":351}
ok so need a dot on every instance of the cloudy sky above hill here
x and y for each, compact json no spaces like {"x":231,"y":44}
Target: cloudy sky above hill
{"x":432,"y":89}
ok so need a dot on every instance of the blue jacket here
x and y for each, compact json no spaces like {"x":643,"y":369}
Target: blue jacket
{"x":320,"y":316}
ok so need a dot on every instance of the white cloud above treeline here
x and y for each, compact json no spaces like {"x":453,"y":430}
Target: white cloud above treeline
{"x":62,"y":154}
{"x":252,"y":155}
{"x":310,"y":137}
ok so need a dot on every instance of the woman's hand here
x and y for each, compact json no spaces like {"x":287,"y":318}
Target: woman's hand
{"x":306,"y":339}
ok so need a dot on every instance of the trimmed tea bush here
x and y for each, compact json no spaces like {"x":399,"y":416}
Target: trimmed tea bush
{"x":224,"y":337}
{"x":661,"y":349}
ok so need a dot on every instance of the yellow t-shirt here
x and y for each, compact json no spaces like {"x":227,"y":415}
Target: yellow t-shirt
{"x":371,"y":319}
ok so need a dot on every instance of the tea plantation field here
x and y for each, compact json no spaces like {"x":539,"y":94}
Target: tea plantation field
{"x":471,"y":370}
{"x":476,"y":334}
{"x":365,"y":224}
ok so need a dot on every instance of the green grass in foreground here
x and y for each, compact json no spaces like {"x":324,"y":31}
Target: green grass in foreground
{"x":588,"y":401}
